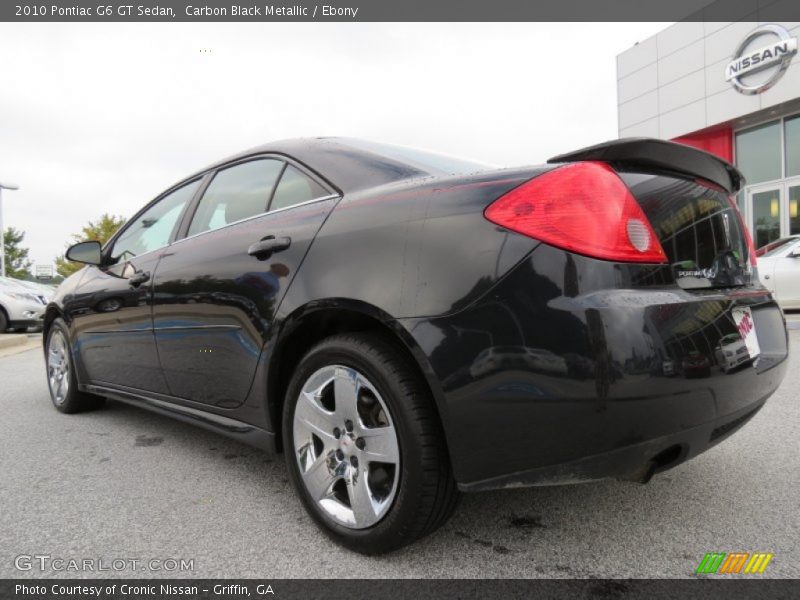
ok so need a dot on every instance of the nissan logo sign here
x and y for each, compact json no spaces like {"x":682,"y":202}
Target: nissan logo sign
{"x":761,"y":59}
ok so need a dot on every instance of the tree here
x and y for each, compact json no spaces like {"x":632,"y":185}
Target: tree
{"x":18,"y":265}
{"x":100,"y":230}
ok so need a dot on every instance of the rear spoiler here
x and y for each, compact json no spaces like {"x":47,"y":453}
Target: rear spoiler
{"x":660,"y":154}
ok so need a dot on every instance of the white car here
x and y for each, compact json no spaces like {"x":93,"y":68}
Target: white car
{"x":731,"y":352}
{"x":779,"y":270}
{"x":20,"y":306}
{"x":40,"y":289}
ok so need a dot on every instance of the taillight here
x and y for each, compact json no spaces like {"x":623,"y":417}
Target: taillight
{"x":751,"y":249}
{"x":583,"y":207}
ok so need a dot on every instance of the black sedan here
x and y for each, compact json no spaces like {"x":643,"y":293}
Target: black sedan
{"x":405,"y":326}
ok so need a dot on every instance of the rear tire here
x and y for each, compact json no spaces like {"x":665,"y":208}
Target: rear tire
{"x":367,"y":492}
{"x":3,"y":321}
{"x":61,"y":377}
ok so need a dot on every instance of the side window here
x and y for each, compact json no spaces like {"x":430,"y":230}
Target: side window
{"x":152,"y":229}
{"x":294,"y":188}
{"x":236,"y":193}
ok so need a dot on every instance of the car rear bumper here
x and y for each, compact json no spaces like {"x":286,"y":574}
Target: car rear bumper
{"x":636,"y":462}
{"x":626,"y":407}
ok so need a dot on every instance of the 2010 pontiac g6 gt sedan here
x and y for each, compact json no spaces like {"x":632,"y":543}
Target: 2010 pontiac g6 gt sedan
{"x":404,"y":326}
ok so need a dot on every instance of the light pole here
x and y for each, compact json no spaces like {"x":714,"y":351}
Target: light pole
{"x":3,"y":186}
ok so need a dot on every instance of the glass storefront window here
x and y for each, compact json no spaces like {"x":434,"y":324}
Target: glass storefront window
{"x":792,"y":141}
{"x":794,"y":206}
{"x":758,"y":153}
{"x":766,"y":217}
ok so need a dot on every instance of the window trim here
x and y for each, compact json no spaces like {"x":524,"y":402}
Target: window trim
{"x":204,"y":178}
{"x":258,"y":216}
{"x":183,"y":230}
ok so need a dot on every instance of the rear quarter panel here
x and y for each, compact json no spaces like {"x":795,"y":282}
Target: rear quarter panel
{"x":416,"y":248}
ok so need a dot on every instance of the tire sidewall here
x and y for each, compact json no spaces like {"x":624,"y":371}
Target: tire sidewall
{"x":393,"y":525}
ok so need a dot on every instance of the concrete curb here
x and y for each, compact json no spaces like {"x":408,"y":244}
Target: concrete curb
{"x":8,"y":340}
{"x":9,"y":349}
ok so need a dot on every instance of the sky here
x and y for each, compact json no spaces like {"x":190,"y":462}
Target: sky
{"x":100,"y":118}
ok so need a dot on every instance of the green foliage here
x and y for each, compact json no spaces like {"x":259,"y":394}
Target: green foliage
{"x":100,"y":230}
{"x":18,"y":265}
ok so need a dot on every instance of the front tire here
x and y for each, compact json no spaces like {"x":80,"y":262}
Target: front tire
{"x":61,"y":377}
{"x":364,"y":445}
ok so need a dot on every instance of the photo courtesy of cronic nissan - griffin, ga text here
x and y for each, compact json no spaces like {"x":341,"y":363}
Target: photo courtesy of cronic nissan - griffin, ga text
{"x":405,"y":326}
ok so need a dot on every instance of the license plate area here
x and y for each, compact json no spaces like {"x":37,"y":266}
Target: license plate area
{"x":743,"y":318}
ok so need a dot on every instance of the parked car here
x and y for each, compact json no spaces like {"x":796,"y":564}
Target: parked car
{"x":779,"y":268}
{"x":330,"y":298}
{"x":20,"y":307}
{"x":695,"y":364}
{"x":42,"y":290}
{"x":731,"y":351}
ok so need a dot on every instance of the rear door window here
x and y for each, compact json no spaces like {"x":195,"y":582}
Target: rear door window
{"x":236,"y":193}
{"x":295,"y":187}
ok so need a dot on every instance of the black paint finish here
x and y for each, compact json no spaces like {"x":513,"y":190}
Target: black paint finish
{"x":546,"y":366}
{"x":568,"y":359}
{"x":214,"y":303}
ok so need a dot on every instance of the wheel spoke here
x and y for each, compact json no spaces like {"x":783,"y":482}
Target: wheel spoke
{"x":364,"y":511}
{"x":381,"y":445}
{"x":312,"y":417}
{"x":319,"y":479}
{"x":345,"y":392}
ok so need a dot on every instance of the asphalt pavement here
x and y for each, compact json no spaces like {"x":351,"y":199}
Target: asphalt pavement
{"x":125,"y":484}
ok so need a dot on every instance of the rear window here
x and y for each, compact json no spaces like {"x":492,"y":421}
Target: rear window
{"x":697,"y":226}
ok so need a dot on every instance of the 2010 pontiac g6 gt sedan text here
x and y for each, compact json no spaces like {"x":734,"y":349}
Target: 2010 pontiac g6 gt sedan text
{"x":405,"y":326}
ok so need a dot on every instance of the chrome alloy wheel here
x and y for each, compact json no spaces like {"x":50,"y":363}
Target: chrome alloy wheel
{"x":346,"y":446}
{"x":58,"y":367}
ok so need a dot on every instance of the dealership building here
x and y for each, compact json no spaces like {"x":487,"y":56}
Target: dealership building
{"x":732,"y":89}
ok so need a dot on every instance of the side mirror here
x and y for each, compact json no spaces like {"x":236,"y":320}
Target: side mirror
{"x":85,"y":252}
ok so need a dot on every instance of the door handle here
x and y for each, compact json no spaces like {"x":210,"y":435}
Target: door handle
{"x":264,"y":248}
{"x":139,"y":278}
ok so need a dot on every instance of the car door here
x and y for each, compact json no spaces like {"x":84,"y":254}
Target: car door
{"x":216,"y":290}
{"x":786,"y":276}
{"x":111,"y":310}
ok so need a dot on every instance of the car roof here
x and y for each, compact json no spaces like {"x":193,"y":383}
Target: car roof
{"x":351,"y":164}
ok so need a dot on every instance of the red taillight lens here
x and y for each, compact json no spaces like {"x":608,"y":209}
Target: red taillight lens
{"x":751,"y":249}
{"x":582,"y":207}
